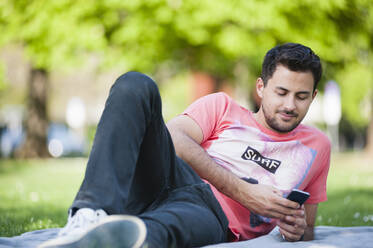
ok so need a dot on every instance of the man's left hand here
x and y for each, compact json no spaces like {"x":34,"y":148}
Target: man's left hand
{"x":293,"y":227}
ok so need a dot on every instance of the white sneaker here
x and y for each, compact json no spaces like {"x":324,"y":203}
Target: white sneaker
{"x":94,"y":228}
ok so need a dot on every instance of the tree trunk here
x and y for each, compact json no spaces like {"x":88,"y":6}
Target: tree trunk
{"x":36,"y":123}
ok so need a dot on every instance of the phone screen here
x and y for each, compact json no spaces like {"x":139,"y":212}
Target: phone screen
{"x":298,"y":196}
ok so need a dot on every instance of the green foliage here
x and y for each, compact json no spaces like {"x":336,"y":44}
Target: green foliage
{"x":356,"y":85}
{"x":3,"y":83}
{"x":174,"y":99}
{"x":210,"y":36}
{"x":52,"y":32}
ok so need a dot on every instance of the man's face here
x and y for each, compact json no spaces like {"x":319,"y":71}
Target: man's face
{"x":285,"y":99}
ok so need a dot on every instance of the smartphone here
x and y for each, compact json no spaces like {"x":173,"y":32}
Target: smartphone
{"x":250,"y":180}
{"x":298,"y":195}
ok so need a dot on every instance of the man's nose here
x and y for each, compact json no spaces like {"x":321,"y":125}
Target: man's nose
{"x":289,"y":104}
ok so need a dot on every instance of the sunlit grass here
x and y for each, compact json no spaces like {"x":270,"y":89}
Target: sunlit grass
{"x":36,"y":194}
{"x":350,"y":191}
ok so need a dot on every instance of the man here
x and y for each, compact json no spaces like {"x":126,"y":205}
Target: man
{"x":249,"y":160}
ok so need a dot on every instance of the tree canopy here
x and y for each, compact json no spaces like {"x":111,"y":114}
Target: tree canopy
{"x":210,"y":36}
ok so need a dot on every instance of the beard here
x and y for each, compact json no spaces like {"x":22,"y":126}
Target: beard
{"x":275,"y":124}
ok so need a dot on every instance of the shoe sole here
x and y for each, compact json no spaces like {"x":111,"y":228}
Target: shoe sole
{"x":113,"y":232}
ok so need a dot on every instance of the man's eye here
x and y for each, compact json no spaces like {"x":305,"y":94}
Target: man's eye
{"x":302,"y":98}
{"x":281,"y":93}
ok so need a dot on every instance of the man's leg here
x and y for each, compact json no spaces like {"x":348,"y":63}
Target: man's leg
{"x":132,"y":156}
{"x":190,"y":216}
{"x":133,"y":168}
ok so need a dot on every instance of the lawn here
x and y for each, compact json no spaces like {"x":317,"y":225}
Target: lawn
{"x":36,"y":194}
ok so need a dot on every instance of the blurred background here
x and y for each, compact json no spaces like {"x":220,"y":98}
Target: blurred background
{"x":58,"y":60}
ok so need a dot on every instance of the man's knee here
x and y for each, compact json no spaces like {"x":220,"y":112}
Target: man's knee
{"x":136,"y":83}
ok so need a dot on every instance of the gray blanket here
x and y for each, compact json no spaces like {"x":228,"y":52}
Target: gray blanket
{"x":325,"y":237}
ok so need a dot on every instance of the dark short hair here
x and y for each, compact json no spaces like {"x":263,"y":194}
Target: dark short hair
{"x":293,"y":56}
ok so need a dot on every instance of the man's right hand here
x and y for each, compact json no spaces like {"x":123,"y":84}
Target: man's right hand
{"x":266,"y":201}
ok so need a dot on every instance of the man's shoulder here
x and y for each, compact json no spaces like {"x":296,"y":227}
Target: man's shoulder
{"x":221,"y":99}
{"x":220,"y":96}
{"x":316,"y":134}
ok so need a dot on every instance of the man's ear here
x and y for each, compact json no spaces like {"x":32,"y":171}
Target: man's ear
{"x":259,"y":87}
{"x":314,"y":94}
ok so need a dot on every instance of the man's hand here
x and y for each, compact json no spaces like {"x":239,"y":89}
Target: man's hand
{"x":293,"y":227}
{"x":266,"y":201}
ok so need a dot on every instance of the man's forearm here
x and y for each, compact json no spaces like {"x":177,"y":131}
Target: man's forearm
{"x":311,"y":212}
{"x":308,"y":233}
{"x":192,"y":153}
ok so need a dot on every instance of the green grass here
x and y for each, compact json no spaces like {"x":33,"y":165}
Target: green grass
{"x":350,"y":191}
{"x":36,"y":194}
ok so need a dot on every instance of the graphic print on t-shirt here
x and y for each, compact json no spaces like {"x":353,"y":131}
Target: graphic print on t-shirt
{"x":247,"y":152}
{"x":269,"y":164}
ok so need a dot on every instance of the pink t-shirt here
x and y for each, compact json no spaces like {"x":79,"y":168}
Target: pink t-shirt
{"x":233,"y":139}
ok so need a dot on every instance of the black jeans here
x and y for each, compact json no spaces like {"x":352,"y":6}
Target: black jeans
{"x":133,"y":169}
